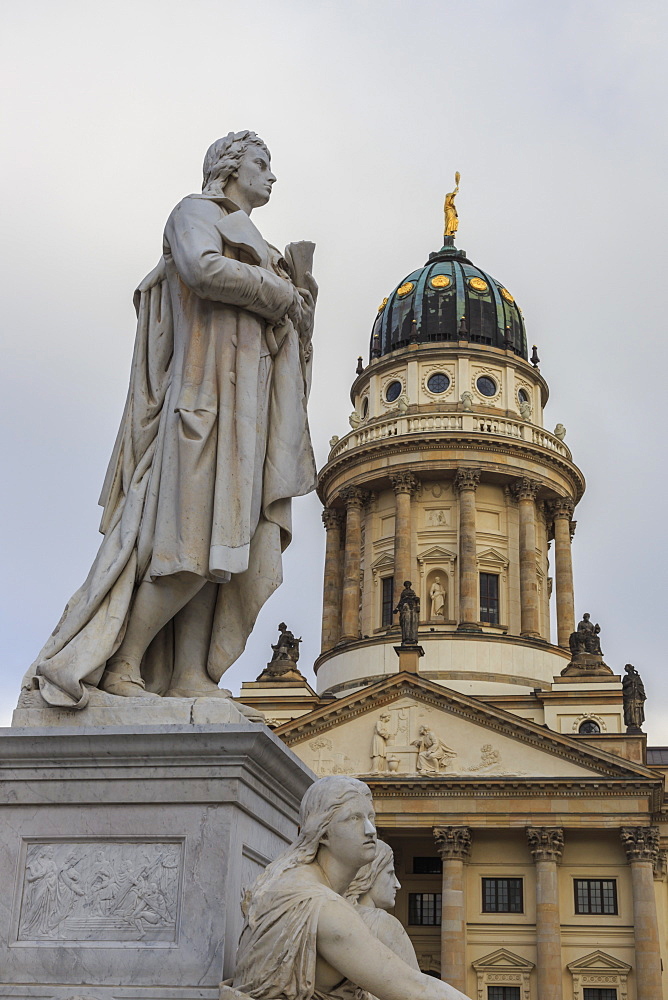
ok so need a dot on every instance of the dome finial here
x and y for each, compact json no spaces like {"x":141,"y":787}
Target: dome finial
{"x":451,"y":217}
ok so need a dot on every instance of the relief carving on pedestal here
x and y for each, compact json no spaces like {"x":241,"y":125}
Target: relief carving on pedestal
{"x":100,"y":891}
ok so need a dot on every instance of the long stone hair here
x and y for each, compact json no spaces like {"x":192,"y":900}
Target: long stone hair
{"x":318,"y":808}
{"x":224,"y":156}
{"x":368,"y":874}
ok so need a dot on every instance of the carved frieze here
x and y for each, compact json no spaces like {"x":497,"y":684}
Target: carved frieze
{"x":100,"y":890}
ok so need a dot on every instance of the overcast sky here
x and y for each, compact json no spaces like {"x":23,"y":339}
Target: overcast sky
{"x":553,"y":111}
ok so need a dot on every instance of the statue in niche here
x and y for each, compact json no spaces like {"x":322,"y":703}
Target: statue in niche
{"x":381,"y":734}
{"x":437,"y":597}
{"x":373,"y":892}
{"x":433,"y":754}
{"x":213,"y":444}
{"x":586,"y":639}
{"x":301,"y":939}
{"x":408,"y":610}
{"x":633,"y":694}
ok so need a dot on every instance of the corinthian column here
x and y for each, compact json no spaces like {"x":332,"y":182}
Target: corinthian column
{"x":466,"y":483}
{"x":562,"y":512}
{"x":405,"y":485}
{"x":453,"y":843}
{"x":641,"y":844}
{"x":331,"y":596}
{"x":546,"y":845}
{"x":354,"y":499}
{"x":525,"y":491}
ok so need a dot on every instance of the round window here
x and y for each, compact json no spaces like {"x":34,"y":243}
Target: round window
{"x":589,"y":727}
{"x":523,"y":395}
{"x":486,"y":386}
{"x":393,"y":391}
{"x":438,"y":382}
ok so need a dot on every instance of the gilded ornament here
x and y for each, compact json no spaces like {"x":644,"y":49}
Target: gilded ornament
{"x":405,"y":289}
{"x":478,"y":285}
{"x":506,"y":295}
{"x":451,"y":217}
{"x":382,"y":305}
{"x":440,"y":281}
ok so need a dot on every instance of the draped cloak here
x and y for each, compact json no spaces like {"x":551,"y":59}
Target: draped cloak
{"x":213,"y":444}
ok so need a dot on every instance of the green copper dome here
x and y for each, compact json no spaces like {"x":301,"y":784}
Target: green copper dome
{"x":447,"y":301}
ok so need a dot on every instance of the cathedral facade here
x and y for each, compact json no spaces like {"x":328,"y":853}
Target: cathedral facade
{"x":507,"y":760}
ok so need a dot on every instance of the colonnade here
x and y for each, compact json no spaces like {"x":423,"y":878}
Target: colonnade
{"x":546,"y":845}
{"x":341,"y":597}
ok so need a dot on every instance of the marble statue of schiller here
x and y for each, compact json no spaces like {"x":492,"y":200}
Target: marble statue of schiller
{"x":213,"y":444}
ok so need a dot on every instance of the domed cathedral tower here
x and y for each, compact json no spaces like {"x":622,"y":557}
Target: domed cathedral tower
{"x":449,"y":479}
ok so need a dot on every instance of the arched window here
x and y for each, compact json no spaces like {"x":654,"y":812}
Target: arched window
{"x":589,"y":728}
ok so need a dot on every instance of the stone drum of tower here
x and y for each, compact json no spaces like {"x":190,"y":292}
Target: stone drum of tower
{"x":448,"y":479}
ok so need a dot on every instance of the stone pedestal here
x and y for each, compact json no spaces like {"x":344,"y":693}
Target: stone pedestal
{"x":586,"y":664}
{"x":125,"y":850}
{"x":409,"y":658}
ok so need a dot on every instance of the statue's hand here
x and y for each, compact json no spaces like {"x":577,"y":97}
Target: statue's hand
{"x":303,"y":306}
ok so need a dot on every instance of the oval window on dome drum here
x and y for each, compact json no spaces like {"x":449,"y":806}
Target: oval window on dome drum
{"x":486,"y":386}
{"x":438,"y":382}
{"x":523,"y":395}
{"x":393,"y":391}
{"x":589,"y":727}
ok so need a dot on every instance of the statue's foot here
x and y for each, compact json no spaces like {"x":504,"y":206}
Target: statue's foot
{"x":198,"y":692}
{"x":124,"y":685}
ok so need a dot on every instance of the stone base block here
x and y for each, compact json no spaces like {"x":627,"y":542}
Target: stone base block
{"x":586,"y":664}
{"x":124,"y":853}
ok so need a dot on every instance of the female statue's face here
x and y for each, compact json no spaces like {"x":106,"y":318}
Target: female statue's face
{"x":384,"y":890}
{"x":250,"y":184}
{"x":351,"y":834}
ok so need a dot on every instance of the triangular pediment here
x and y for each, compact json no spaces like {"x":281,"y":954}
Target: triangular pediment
{"x":492,"y":557}
{"x":503,"y":960}
{"x":384,"y":561}
{"x":435,"y":552}
{"x":599,"y":962}
{"x":406,"y":727}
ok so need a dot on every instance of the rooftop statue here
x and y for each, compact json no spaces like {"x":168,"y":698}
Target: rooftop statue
{"x":451,"y":217}
{"x":633,"y":693}
{"x":586,"y":639}
{"x":213,"y":444}
{"x":301,"y":939}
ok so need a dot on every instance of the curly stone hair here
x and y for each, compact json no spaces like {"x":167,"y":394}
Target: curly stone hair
{"x":224,"y":156}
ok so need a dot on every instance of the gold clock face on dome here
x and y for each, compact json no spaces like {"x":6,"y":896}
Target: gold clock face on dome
{"x":478,"y":285}
{"x":506,"y":295}
{"x":405,"y":289}
{"x":440,"y":281}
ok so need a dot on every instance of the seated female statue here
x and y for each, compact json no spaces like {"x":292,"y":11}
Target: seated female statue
{"x":301,"y":939}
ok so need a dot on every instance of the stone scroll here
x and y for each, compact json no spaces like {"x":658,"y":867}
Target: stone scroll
{"x":109,"y":891}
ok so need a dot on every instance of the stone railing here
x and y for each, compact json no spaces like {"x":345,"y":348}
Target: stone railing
{"x":449,"y":423}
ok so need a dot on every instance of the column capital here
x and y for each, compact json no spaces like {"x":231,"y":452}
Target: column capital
{"x":331,"y":518}
{"x":404,"y":482}
{"x":546,"y":843}
{"x":562,"y":507}
{"x":641,"y":843}
{"x":525,"y":488}
{"x":353,"y":496}
{"x":466,"y":479}
{"x":453,"y":841}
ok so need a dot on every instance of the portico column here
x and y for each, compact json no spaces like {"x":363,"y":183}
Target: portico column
{"x":525,"y":491}
{"x":331,"y":596}
{"x":641,"y":844}
{"x":453,"y":843}
{"x":466,"y":483}
{"x":354,"y":499}
{"x":562,"y":512}
{"x":546,"y":845}
{"x":405,"y":485}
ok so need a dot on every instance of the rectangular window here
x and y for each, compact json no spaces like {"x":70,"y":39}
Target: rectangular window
{"x":489,"y":598}
{"x":424,"y":908}
{"x":595,"y":895}
{"x":503,"y":993}
{"x":502,"y":895}
{"x":427,"y":866}
{"x":599,"y":994}
{"x":388,"y":601}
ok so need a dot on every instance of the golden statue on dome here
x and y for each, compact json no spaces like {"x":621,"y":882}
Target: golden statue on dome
{"x":451,"y":217}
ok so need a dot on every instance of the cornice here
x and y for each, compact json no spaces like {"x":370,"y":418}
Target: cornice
{"x":482,"y":444}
